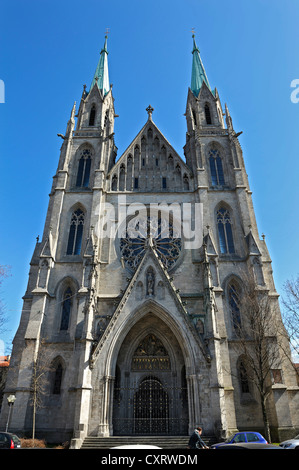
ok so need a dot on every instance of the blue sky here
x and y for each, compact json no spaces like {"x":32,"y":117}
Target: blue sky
{"x":49,"y":49}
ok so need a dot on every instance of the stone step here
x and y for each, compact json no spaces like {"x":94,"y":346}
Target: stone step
{"x":165,"y":442}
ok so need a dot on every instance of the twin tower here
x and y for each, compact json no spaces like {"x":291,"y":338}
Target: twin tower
{"x":135,"y":327}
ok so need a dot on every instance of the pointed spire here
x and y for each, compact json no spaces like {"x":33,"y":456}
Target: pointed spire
{"x":101,"y":76}
{"x":73,"y":112}
{"x":198,"y":72}
{"x":228,"y":119}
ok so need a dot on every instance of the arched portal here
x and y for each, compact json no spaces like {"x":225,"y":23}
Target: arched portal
{"x":150,"y":388}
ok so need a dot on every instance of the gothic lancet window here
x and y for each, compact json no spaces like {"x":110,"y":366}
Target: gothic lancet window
{"x":216,"y":168}
{"x":75,"y":233}
{"x":57,"y":379}
{"x":208,"y":114}
{"x":92,"y":116}
{"x":225,"y":233}
{"x":84,"y":169}
{"x":244,"y":382}
{"x":114,"y":183}
{"x":234,"y":301}
{"x":186,"y":182}
{"x":66,"y":309}
{"x":194,"y":117}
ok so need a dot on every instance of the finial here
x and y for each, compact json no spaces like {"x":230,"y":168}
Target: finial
{"x":149,"y":110}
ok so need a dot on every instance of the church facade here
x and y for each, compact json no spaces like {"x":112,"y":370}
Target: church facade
{"x":131,"y":301}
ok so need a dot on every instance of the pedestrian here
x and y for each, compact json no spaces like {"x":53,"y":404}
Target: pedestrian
{"x":195,"y":441}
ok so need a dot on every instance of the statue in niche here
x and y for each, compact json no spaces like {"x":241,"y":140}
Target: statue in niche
{"x":160,"y":290}
{"x":101,"y":326}
{"x":150,"y":282}
{"x":139,"y":291}
{"x":199,"y":326}
{"x":43,"y":274}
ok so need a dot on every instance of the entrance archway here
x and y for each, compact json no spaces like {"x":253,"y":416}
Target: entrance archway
{"x":150,"y":388}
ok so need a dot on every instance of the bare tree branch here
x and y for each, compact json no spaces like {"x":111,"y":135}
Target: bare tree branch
{"x":291,"y":314}
{"x":256,"y":340}
{"x":40,"y":381}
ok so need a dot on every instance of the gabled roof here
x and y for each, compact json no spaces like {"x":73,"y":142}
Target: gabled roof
{"x":136,"y":141}
{"x":253,"y":248}
{"x":210,"y":244}
{"x":179,"y":313}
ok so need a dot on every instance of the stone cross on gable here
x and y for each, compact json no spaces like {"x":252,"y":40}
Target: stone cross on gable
{"x":149,"y":110}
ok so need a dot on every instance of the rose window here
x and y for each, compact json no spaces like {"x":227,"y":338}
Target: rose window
{"x":160,"y":232}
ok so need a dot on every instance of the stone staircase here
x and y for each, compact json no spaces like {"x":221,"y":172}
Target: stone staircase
{"x":165,"y":442}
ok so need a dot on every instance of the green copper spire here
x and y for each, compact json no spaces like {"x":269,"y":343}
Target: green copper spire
{"x":198,"y":72}
{"x":101,"y":75}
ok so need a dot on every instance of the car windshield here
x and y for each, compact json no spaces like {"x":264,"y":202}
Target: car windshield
{"x":229,"y":438}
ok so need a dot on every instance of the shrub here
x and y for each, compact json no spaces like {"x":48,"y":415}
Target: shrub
{"x":37,"y":443}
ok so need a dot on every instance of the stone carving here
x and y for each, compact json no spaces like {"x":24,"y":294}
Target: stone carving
{"x":150,"y":355}
{"x":150,"y":282}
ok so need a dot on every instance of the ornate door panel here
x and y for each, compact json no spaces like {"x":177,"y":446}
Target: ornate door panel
{"x":151,"y":408}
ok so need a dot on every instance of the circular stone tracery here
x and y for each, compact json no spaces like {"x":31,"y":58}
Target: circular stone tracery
{"x":159,"y":231}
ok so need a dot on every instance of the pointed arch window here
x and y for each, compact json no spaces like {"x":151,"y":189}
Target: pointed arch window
{"x":92,"y":116}
{"x":216,"y":168}
{"x":66,"y":309}
{"x":114,"y":183}
{"x":244,"y":382}
{"x":225,"y":232}
{"x":186,"y":182}
{"x":84,"y":166}
{"x":208,"y":114}
{"x":75,"y":233}
{"x":194,"y":117}
{"x":234,"y":302}
{"x":57,"y":380}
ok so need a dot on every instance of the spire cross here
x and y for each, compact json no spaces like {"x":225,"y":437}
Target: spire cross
{"x":149,"y":110}
{"x":107,"y":31}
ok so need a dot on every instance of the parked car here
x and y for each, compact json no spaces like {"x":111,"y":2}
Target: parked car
{"x":239,"y":437}
{"x":9,"y":441}
{"x":249,"y":445}
{"x":291,"y":443}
